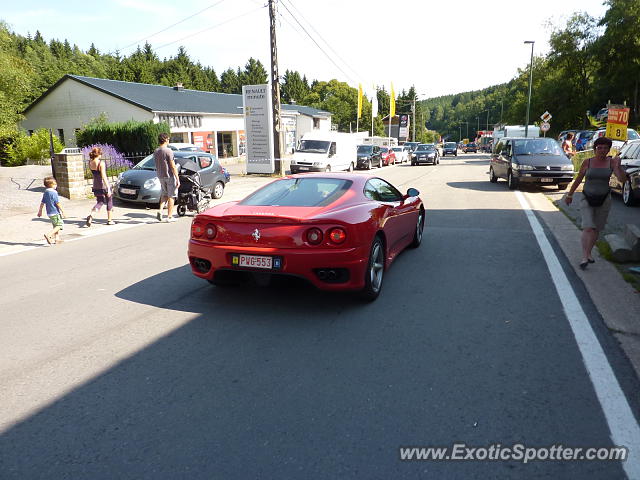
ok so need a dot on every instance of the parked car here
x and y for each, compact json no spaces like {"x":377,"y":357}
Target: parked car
{"x":184,"y":147}
{"x":631,"y":135}
{"x":141,"y":184}
{"x":530,"y":160}
{"x":388,"y":156}
{"x":581,"y":139}
{"x":402,"y":154}
{"x":451,"y":148}
{"x":425,"y":153}
{"x":630,"y":162}
{"x":368,"y":156}
{"x":470,"y":147}
{"x":339,"y":231}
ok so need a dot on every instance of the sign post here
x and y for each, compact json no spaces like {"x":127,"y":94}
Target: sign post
{"x":617,"y":123}
{"x":546,"y":118}
{"x":258,"y":125}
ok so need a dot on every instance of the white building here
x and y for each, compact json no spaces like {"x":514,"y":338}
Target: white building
{"x":213,"y":121}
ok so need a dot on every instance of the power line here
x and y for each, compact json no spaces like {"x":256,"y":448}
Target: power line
{"x":170,"y":26}
{"x":211,"y":28}
{"x":317,"y":45}
{"x":322,"y":38}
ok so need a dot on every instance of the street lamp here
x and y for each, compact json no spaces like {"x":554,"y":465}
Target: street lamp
{"x":526,"y":125}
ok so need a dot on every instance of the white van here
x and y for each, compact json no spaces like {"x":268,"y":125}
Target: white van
{"x":326,"y":152}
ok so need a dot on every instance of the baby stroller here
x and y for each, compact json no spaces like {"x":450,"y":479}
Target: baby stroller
{"x":192,"y":195}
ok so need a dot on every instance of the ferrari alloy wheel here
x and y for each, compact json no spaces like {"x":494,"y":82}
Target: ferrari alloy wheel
{"x":218,"y":190}
{"x":375,"y":271}
{"x":492,"y":176}
{"x":417,"y":236}
{"x":182,"y":210}
{"x":628,"y":198}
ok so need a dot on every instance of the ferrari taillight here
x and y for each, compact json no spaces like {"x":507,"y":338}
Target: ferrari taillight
{"x":196,"y":230}
{"x":210,"y":231}
{"x":337,"y":235}
{"x":314,"y":236}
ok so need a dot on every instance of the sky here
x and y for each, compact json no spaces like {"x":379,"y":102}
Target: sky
{"x":440,"y":47}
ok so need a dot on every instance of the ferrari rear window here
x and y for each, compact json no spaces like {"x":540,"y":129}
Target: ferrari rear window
{"x":299,"y":192}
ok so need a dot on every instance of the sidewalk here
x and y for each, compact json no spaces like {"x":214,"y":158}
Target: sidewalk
{"x":21,"y":190}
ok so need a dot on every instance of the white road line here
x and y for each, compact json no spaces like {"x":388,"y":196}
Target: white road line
{"x":622,"y":424}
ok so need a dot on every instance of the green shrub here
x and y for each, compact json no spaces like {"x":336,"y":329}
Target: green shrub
{"x":33,"y":147}
{"x":129,"y":137}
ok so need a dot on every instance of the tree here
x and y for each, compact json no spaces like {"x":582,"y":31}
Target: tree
{"x":253,"y":74}
{"x":294,"y":88}
{"x":229,"y":82}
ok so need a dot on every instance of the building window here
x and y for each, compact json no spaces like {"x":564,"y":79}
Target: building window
{"x":61,"y":135}
{"x":316,"y":123}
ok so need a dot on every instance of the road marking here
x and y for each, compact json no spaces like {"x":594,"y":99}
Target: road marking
{"x":622,"y":423}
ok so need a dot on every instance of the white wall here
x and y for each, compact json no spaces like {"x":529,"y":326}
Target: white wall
{"x":72,"y":105}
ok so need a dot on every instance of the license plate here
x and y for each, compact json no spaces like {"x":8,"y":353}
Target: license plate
{"x":546,"y":180}
{"x":255,"y":261}
{"x":303,"y":168}
{"x":127,"y":191}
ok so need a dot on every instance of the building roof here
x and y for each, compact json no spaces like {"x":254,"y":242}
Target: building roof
{"x":159,"y":98}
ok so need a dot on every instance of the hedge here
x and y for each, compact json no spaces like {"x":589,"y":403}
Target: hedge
{"x":131,"y":136}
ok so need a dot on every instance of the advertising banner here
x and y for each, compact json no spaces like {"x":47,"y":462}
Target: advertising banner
{"x":205,"y":141}
{"x":258,"y":125}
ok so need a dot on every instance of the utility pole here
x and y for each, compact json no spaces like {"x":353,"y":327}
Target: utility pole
{"x":275,"y":90}
{"x":414,"y":116}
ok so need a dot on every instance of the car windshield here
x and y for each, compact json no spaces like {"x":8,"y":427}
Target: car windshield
{"x":314,"y":146}
{"x":632,"y":135}
{"x":147,"y":164}
{"x":299,"y":192}
{"x":397,"y":149}
{"x":537,"y":146}
{"x":425,"y":148}
{"x":450,"y":145}
{"x":365,"y":148}
{"x":384,"y":149}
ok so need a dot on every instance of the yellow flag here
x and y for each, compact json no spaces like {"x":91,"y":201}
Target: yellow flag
{"x":359,"y":100}
{"x":392,"y":103}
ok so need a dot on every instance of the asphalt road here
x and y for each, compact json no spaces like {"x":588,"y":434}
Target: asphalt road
{"x":116,"y":362}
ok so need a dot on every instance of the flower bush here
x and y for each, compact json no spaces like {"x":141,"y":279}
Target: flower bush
{"x":115,"y":161}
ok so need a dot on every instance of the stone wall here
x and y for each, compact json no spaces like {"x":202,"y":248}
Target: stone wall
{"x":69,"y":171}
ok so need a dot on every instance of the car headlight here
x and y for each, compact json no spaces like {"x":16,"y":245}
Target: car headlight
{"x":567,"y":168}
{"x":151,"y":184}
{"x":517,"y":166}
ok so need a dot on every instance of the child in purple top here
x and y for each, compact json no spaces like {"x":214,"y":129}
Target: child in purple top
{"x":51,"y":201}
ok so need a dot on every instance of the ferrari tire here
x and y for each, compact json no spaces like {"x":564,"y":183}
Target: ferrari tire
{"x":418,"y":233}
{"x":375,"y":271}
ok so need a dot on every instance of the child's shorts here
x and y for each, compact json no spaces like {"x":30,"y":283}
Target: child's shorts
{"x":56,"y":220}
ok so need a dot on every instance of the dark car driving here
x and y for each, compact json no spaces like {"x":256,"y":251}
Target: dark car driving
{"x":451,"y":148}
{"x":470,"y":147}
{"x":425,"y":153}
{"x":369,"y":156}
{"x":530,"y":160}
{"x":141,"y":184}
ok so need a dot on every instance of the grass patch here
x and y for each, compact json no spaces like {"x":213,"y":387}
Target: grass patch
{"x":605,"y":250}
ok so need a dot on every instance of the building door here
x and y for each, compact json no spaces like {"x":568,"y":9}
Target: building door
{"x":225,"y":145}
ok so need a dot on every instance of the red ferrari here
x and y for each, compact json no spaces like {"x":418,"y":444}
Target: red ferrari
{"x":339,"y":231}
